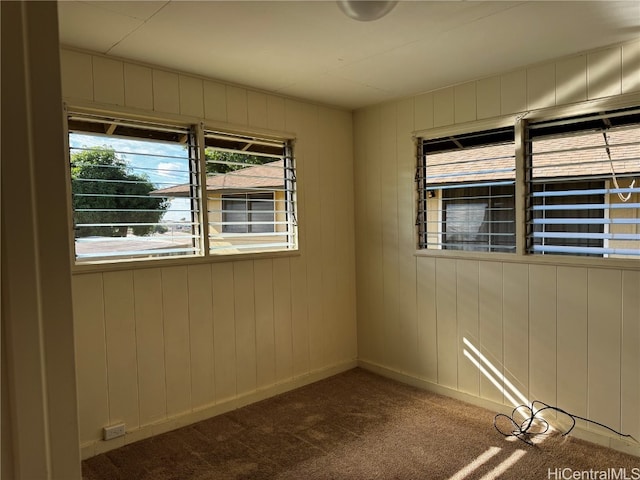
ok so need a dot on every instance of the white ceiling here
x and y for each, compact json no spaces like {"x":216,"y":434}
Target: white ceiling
{"x":311,"y":50}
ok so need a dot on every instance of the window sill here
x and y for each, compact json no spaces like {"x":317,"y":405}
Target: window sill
{"x":143,"y":263}
{"x":554,"y":260}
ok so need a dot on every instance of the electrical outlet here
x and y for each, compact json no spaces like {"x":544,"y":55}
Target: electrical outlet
{"x":113,"y":431}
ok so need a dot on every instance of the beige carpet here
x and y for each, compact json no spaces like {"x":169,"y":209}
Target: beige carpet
{"x":355,"y":425}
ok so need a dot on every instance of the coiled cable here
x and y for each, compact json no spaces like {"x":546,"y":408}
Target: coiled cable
{"x":534,"y":424}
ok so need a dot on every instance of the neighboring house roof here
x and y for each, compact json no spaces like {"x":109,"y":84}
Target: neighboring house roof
{"x":267,"y":176}
{"x":550,"y":159}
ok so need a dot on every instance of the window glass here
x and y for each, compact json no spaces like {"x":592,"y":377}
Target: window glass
{"x":478,"y":218}
{"x":261,"y":212}
{"x":235,"y":216}
{"x":248,"y":213}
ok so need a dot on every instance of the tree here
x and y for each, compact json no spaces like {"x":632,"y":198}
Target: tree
{"x":106,"y":192}
{"x":215,"y":156}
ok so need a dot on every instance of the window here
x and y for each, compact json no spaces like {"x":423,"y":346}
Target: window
{"x":250,"y":193}
{"x":579,"y":181}
{"x":583,"y":180}
{"x":466,"y":192}
{"x":248,"y":213}
{"x":478,"y":218}
{"x":143,"y":190}
{"x":117,"y":168}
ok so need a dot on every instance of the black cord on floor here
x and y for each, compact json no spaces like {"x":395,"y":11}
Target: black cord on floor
{"x":533,"y":424}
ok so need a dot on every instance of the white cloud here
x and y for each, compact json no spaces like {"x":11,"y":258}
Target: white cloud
{"x":170,"y":169}
{"x":165,"y":164}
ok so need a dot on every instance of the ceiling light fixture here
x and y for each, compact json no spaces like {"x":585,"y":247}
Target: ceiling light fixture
{"x":366,"y":10}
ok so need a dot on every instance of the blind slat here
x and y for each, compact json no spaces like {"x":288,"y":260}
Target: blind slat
{"x":599,"y":236}
{"x":632,"y":252}
{"x":584,"y":221}
{"x":586,"y":206}
{"x":222,"y":236}
{"x":596,"y":191}
{"x":470,"y":185}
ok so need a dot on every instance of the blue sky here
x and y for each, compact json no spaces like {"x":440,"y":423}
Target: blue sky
{"x":164,"y":164}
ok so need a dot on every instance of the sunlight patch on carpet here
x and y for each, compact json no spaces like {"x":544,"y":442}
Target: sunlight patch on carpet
{"x":480,"y":460}
{"x":504,"y":466}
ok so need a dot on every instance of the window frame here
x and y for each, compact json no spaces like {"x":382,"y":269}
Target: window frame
{"x":520,"y":120}
{"x":151,"y":138}
{"x":199,"y":126}
{"x":497,"y":129}
{"x":276,"y":148}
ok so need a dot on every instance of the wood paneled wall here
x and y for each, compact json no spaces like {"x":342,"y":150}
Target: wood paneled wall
{"x":161,"y":347}
{"x":566,"y":335}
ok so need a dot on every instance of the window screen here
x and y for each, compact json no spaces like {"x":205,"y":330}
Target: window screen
{"x":466,"y":192}
{"x":583,"y":177}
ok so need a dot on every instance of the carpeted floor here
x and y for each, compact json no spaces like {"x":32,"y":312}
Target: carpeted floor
{"x":355,"y":425}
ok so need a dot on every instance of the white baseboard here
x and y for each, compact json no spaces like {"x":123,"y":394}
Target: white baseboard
{"x":607,"y":440}
{"x":96,"y":447}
